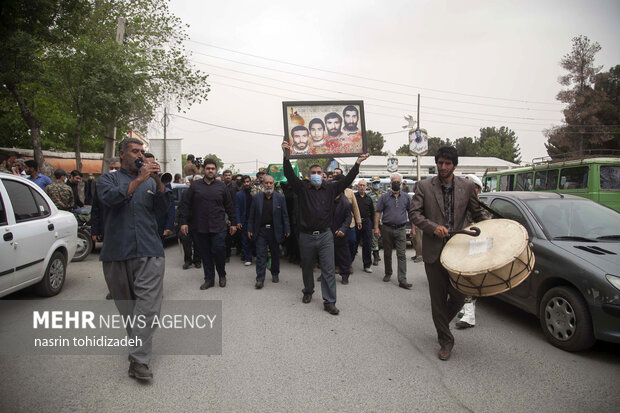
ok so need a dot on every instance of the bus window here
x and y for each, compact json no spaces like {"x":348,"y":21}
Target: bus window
{"x":546,"y":180}
{"x":574,"y":178}
{"x":610,"y":177}
{"x":524,"y":182}
{"x":506,"y":182}
{"x":490,"y":184}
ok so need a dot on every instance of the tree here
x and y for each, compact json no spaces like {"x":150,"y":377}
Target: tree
{"x":434,"y":144}
{"x":582,"y":129}
{"x":467,"y":146}
{"x":500,"y":143}
{"x":375,"y":142}
{"x":218,"y":161}
{"x":403,"y":150}
{"x":304,"y":164}
{"x":609,"y":114}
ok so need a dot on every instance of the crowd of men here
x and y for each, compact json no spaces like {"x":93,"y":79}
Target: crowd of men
{"x":316,"y":221}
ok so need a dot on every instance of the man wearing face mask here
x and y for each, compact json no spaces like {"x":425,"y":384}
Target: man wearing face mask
{"x":315,"y":237}
{"x":375,"y":194}
{"x":394,"y":205}
{"x":268,"y":225}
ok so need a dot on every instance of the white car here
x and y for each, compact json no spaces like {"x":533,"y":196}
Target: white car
{"x":38,"y":240}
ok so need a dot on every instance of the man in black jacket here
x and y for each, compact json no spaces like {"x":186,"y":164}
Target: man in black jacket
{"x":315,"y":235}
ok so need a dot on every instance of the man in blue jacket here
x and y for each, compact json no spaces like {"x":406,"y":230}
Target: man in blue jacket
{"x":268,"y":225}
{"x":242,"y":210}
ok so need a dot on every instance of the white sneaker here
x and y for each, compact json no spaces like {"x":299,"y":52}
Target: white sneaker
{"x":368,"y":270}
{"x":248,"y":263}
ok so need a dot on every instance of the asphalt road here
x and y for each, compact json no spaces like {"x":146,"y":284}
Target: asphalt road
{"x":379,"y":354}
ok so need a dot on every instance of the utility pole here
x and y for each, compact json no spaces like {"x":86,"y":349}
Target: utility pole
{"x":165,"y":126}
{"x":418,"y":157}
{"x":108,"y":149}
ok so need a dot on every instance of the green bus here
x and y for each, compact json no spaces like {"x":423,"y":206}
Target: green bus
{"x":597,"y":179}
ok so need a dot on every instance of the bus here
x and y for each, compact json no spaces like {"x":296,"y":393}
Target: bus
{"x":597,"y":179}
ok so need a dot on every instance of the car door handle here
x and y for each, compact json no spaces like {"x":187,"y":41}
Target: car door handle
{"x":50,"y":227}
{"x":8,"y":236}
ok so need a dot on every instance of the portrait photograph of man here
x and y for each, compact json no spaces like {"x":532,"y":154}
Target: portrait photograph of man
{"x":316,"y":129}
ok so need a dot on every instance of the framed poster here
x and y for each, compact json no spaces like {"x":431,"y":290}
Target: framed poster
{"x":418,"y":142}
{"x":325,"y":129}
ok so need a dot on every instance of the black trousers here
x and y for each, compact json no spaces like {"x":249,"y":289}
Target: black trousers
{"x":342,"y":254}
{"x":446,"y":301}
{"x":189,"y":247}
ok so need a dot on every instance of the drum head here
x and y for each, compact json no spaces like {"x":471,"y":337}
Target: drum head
{"x":499,"y":242}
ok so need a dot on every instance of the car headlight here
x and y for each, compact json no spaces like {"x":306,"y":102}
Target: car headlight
{"x":614,"y":280}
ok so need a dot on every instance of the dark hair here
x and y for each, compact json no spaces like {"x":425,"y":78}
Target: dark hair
{"x":166,"y":178}
{"x":75,"y":172}
{"x":149,"y":155}
{"x":244,"y":177}
{"x":316,"y":120}
{"x":298,"y":128}
{"x":122,"y":147}
{"x":228,"y":171}
{"x":237,"y":176}
{"x":190,"y":157}
{"x":31,"y":163}
{"x":341,"y":172}
{"x":59,"y":173}
{"x":260,"y":173}
{"x":315,"y":166}
{"x":350,"y":108}
{"x":177,"y":176}
{"x":209,"y":161}
{"x":448,"y":152}
{"x":333,"y":115}
{"x":114,"y":159}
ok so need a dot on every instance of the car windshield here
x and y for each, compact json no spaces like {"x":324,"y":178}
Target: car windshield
{"x":576,"y":219}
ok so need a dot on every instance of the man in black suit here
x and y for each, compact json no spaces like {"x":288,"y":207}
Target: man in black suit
{"x":268,"y":225}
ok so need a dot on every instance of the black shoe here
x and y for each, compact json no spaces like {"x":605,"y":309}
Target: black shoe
{"x":223,"y":282}
{"x":275,"y":278}
{"x":109,"y":296}
{"x":375,"y":258}
{"x":405,"y":285}
{"x":258,"y":285}
{"x":197,"y":265}
{"x":387,"y":278}
{"x":345,"y":279}
{"x":139,"y":371}
{"x":331,"y":308}
{"x":307,"y":298}
{"x":186,"y":266}
{"x":207,"y":285}
{"x":444,"y":353}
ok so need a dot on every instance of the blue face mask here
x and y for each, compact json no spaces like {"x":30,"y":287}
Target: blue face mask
{"x":316,"y":179}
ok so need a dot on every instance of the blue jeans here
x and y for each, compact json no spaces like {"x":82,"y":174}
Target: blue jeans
{"x":212,"y":250}
{"x":266,"y":238}
{"x":246,"y":246}
{"x":352,"y":243}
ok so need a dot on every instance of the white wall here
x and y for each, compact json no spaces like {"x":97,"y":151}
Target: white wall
{"x":174,"y":149}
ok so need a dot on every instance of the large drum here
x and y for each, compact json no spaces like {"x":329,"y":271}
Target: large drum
{"x":497,"y":260}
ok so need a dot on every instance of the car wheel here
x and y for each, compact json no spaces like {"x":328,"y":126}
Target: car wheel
{"x":84,"y":246}
{"x":54,"y":277}
{"x":565,"y":319}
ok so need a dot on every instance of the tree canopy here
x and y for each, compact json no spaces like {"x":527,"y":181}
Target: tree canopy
{"x":375,"y":142}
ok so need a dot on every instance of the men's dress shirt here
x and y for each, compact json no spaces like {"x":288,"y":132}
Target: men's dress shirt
{"x":206,"y":206}
{"x":42,"y":181}
{"x":364,"y":203}
{"x":448,"y":204}
{"x":395,"y":209}
{"x":267,"y":213}
{"x":130,"y":224}
{"x":316,"y":204}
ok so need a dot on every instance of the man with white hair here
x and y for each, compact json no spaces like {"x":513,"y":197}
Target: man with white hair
{"x":394,"y":205}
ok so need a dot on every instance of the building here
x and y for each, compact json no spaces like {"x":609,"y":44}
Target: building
{"x":173,"y":162}
{"x":377,"y":165}
{"x":91,"y":162}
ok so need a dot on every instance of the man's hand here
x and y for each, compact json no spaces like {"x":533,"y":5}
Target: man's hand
{"x":362,"y":158}
{"x":148,"y":170}
{"x":441,"y":231}
{"x":339,"y":233}
{"x":184,"y":229}
{"x":167,"y":232}
{"x":249,"y":235}
{"x":286,"y":234}
{"x":239,"y":226}
{"x":376,"y":231}
{"x":233,"y":229}
{"x":359,"y":225}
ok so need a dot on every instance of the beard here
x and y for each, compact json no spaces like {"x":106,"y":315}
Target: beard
{"x":300,"y":146}
{"x":350,"y":126}
{"x":333,"y":132}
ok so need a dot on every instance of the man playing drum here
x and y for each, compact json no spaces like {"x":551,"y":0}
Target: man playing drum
{"x":439,"y":206}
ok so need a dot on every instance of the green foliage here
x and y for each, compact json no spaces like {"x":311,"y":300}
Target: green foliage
{"x":403,"y":150}
{"x":305,"y":164}
{"x":216,"y":158}
{"x":592,"y":104}
{"x":500,"y":143}
{"x":374,"y":143}
{"x":434,"y":144}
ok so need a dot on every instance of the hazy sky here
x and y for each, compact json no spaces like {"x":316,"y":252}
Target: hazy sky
{"x":475,"y":64}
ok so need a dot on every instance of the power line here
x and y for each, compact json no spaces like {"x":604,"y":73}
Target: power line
{"x":369,"y":87}
{"x":226,"y":127}
{"x":372,"y":79}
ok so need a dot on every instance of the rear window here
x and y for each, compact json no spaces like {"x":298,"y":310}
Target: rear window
{"x":27,"y":203}
{"x":610,"y":177}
